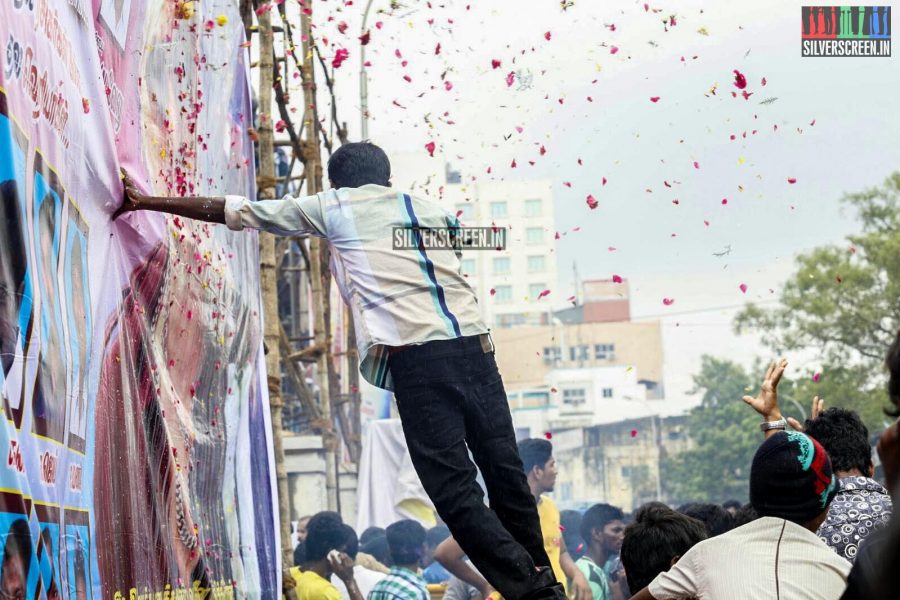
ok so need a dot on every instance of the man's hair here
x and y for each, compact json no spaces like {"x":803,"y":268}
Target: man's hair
{"x":657,"y":535}
{"x":731,"y":504}
{"x":351,"y":542}
{"x":14,"y":241}
{"x":405,"y":539}
{"x":892,"y":362}
{"x":596,"y":517}
{"x":745,"y":514}
{"x":377,"y":547}
{"x":570,"y":521}
{"x":715,"y":518}
{"x":324,"y":533}
{"x":844,"y":437}
{"x":357,"y":164}
{"x":18,"y":543}
{"x":300,"y":553}
{"x":534,"y":452}
{"x":370,"y":534}
{"x":437,"y":534}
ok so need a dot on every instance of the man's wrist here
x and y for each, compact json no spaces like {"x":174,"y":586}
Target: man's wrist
{"x":772,"y":416}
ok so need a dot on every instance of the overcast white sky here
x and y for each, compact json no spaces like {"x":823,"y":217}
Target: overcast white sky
{"x":664,"y":249}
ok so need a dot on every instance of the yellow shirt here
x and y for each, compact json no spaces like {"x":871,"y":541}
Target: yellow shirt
{"x":311,"y":586}
{"x":552,"y":533}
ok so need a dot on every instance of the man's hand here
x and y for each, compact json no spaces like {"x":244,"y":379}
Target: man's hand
{"x":581,"y":589}
{"x":342,"y":565}
{"x":818,"y":407}
{"x":889,"y":453}
{"x":766,"y":403}
{"x":132,"y":198}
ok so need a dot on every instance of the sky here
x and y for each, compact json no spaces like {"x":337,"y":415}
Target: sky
{"x":827,"y":123}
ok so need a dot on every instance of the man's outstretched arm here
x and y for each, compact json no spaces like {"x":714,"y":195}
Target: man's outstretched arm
{"x":288,"y":216}
{"x":201,"y":208}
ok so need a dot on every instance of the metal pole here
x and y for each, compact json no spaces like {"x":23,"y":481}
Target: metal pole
{"x":364,"y":80}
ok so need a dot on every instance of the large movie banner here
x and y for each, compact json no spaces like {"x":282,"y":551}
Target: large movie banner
{"x":136,"y":433}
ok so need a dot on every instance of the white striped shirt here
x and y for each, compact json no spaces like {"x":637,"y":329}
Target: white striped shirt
{"x":398,"y":297}
{"x":767,"y":559}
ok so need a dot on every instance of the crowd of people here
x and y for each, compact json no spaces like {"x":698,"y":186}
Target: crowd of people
{"x":818,"y":525}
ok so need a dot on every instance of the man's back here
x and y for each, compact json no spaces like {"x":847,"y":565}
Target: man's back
{"x":769,"y":558}
{"x":400,"y":292}
{"x":400,"y":584}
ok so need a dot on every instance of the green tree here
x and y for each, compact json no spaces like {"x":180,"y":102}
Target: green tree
{"x":844,"y":303}
{"x":725,"y":432}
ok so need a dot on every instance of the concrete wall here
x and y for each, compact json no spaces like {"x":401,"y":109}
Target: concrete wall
{"x":305,"y":464}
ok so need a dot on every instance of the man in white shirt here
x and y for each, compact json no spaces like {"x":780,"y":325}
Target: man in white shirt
{"x":779,"y":555}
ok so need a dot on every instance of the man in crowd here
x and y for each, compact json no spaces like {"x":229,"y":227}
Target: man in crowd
{"x":365,"y":578}
{"x":779,"y":554}
{"x":602,"y":529}
{"x":654,"y":542}
{"x":434,"y":571}
{"x":406,"y":540}
{"x":862,"y":505}
{"x":875,"y":575}
{"x":419,"y":334}
{"x":325,"y":540}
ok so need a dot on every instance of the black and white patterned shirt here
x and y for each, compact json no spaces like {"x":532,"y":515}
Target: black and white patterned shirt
{"x":861,"y":506}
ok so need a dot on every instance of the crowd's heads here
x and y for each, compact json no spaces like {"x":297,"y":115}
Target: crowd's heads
{"x":538,"y":462}
{"x":302,"y":524}
{"x":604,"y":525}
{"x":325,"y":532}
{"x":570,"y":522}
{"x":892,"y":362}
{"x":351,"y":542}
{"x":791,"y":478}
{"x":746,"y":514}
{"x":300,"y":553}
{"x":370,"y":534}
{"x":357,"y":164}
{"x":845,"y":438}
{"x":377,"y":547}
{"x":406,"y":540}
{"x":715,"y":518}
{"x":732,"y":506}
{"x":433,"y":538}
{"x":656,"y":539}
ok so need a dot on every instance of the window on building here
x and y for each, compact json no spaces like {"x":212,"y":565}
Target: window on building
{"x":533,"y":208}
{"x":510,"y":320}
{"x":552,"y":354}
{"x":574,"y":396}
{"x":578,"y":352}
{"x":501,"y":265}
{"x":468,"y":266}
{"x":499,"y":210}
{"x":503,"y":293}
{"x":535,"y":289}
{"x":565,"y":492}
{"x":604,"y":351}
{"x":607,"y":392}
{"x":464,"y":211}
{"x":536,"y":264}
{"x":534,"y":235}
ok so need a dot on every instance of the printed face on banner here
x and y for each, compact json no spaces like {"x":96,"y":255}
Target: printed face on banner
{"x":49,"y":399}
{"x":15,"y":278}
